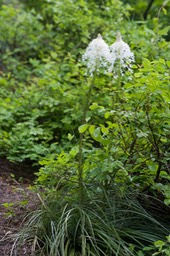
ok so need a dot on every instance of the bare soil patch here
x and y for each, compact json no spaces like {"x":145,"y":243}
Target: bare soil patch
{"x":16,"y":200}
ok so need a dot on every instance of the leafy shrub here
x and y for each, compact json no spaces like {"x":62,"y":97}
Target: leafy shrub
{"x":126,"y":134}
{"x":43,"y":74}
{"x":22,"y":38}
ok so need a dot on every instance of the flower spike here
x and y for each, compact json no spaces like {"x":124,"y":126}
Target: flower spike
{"x":122,"y":53}
{"x":97,"y":55}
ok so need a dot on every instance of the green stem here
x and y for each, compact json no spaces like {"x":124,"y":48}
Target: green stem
{"x":80,"y":163}
{"x":115,"y":99}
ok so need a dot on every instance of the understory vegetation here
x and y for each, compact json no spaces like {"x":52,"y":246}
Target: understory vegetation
{"x":95,"y":124}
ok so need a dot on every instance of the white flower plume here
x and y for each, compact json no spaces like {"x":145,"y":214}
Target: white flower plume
{"x":97,"y":55}
{"x":122,"y":53}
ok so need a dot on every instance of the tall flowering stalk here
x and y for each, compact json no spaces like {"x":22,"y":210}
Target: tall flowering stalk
{"x":121,"y":60}
{"x":80,"y":163}
{"x":96,"y":56}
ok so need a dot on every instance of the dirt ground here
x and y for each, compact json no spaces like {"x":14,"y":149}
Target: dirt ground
{"x":16,"y":200}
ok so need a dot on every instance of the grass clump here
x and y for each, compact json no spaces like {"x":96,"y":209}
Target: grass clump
{"x":104,"y":224}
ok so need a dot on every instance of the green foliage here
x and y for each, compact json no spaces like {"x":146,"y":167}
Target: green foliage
{"x":148,"y":9}
{"x":89,"y":135}
{"x":22,"y":38}
{"x":36,"y":117}
{"x":164,"y":189}
{"x":9,"y":209}
{"x":41,"y":100}
{"x":126,"y":133}
{"x":160,"y":247}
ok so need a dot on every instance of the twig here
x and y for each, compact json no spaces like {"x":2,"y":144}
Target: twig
{"x":155,"y":144}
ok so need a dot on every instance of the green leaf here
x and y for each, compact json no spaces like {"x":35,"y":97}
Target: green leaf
{"x":70,"y":137}
{"x":164,"y":31}
{"x":153,"y":167}
{"x":8,"y":205}
{"x":105,"y":130}
{"x":159,"y":243}
{"x":88,"y":119}
{"x":74,"y":151}
{"x":147,"y":64}
{"x":82,"y":128}
{"x":168,"y":238}
{"x":168,"y":63}
{"x":94,"y":106}
{"x":91,"y":129}
{"x":167,"y":201}
{"x":107,"y":114}
{"x":96,"y":132}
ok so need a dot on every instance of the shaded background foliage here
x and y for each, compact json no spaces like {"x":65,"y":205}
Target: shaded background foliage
{"x":42,"y":73}
{"x":41,"y":69}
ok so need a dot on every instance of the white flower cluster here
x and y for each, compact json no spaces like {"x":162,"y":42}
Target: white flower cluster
{"x":98,"y":54}
{"x":121,"y":52}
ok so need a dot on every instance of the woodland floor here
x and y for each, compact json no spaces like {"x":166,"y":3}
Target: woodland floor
{"x":16,"y":200}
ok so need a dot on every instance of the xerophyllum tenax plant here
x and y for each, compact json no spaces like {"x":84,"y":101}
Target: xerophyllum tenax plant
{"x":121,"y":53}
{"x":97,"y":55}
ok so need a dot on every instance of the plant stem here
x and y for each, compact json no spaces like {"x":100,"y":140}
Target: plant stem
{"x":80,"y":163}
{"x":156,"y":146}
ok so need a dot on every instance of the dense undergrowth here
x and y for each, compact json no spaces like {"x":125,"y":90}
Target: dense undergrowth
{"x":101,"y":143}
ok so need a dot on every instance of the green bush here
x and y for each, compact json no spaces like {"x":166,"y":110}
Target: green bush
{"x":42,"y":72}
{"x":22,"y":38}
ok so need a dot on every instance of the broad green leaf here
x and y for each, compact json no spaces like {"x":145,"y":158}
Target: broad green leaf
{"x":159,"y":243}
{"x":94,"y":106}
{"x":96,"y":132}
{"x":147,"y":64}
{"x":74,"y":151}
{"x":70,"y":137}
{"x":164,"y":31}
{"x":107,"y":114}
{"x":105,"y":130}
{"x":168,"y":63}
{"x":91,"y":129}
{"x":168,"y":238}
{"x":88,"y":119}
{"x":83,"y":128}
{"x":167,"y":201}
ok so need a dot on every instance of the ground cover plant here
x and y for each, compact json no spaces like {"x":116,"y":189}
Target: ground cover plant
{"x":85,"y":98}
